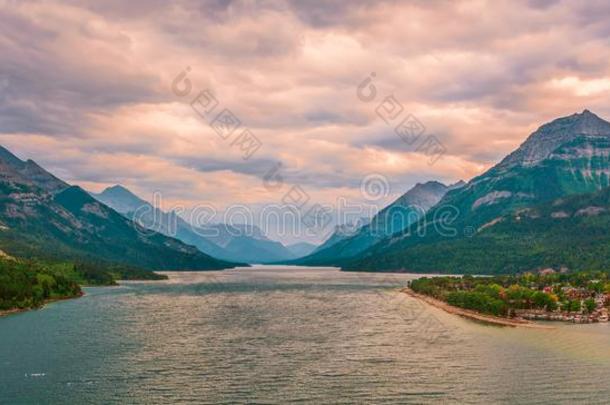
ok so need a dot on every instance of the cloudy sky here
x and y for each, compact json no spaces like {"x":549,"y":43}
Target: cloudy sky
{"x":91,"y":90}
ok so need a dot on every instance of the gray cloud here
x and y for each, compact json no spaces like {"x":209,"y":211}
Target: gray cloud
{"x":252,"y":167}
{"x":50,"y":88}
{"x":91,"y":82}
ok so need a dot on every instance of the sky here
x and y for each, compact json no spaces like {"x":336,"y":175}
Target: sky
{"x":146,"y":93}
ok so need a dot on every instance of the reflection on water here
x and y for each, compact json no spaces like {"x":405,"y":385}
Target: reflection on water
{"x":279,"y":334}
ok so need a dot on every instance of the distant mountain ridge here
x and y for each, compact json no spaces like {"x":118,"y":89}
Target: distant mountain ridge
{"x":42,"y":216}
{"x":301,"y":249}
{"x":340,"y":233}
{"x":397,"y":216}
{"x":234,"y":242}
{"x":169,"y":224}
{"x":120,"y":199}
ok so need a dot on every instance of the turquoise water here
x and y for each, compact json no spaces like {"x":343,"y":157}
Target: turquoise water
{"x":279,"y":335}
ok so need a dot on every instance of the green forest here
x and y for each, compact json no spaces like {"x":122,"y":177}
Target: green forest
{"x":521,"y":241}
{"x":30,"y":283}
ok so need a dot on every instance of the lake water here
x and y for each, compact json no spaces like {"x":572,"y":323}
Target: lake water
{"x":279,"y":335}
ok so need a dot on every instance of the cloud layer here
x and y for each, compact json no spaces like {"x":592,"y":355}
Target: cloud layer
{"x":86,"y":89}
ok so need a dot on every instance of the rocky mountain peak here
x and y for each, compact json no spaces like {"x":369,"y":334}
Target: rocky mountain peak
{"x":28,"y":172}
{"x":9,"y":159}
{"x":423,"y":195}
{"x":346,"y":229}
{"x":120,"y":199}
{"x":459,"y":184}
{"x":117,"y":188}
{"x":119,"y":191}
{"x":42,"y":178}
{"x":541,"y":143}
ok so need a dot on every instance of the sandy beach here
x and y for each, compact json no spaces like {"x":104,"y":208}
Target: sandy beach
{"x":473,"y":315}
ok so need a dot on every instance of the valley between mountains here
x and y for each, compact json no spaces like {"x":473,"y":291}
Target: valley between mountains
{"x":545,"y":205}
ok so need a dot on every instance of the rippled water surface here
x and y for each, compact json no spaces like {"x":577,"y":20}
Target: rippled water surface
{"x":278,"y":335}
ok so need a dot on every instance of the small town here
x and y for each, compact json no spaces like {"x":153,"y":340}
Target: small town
{"x":546,"y":295}
{"x":588,"y":304}
{"x":599,"y":314}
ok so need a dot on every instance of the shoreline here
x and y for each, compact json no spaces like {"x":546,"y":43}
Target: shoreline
{"x":13,"y":311}
{"x":473,"y":315}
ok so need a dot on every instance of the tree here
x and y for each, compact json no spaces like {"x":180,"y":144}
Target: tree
{"x":590,"y":305}
{"x":542,"y":300}
{"x":575,"y":306}
{"x":597,"y":287}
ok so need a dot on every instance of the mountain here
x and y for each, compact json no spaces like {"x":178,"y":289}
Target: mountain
{"x":542,"y":143}
{"x":407,"y":209}
{"x":301,"y":249}
{"x":568,"y":233}
{"x":242,"y":243}
{"x":145,"y":214}
{"x":28,"y":172}
{"x":247,"y":243}
{"x":42,"y":216}
{"x":340,"y":233}
{"x":257,"y":250}
{"x":120,"y":199}
{"x":570,"y":155}
{"x":566,"y":156}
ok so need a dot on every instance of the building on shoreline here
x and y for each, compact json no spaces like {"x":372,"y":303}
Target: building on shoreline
{"x":599,"y":314}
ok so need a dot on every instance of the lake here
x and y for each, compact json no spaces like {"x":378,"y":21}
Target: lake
{"x":271,"y":334}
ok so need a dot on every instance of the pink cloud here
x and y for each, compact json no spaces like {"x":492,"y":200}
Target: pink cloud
{"x":91,"y":82}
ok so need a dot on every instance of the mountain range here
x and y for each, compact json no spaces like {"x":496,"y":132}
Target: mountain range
{"x":231,"y":242}
{"x":569,"y":156}
{"x":547,"y":204}
{"x":567,"y":233}
{"x":301,"y":249}
{"x":408,"y":209}
{"x":43,"y":216}
{"x":340,"y":233}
